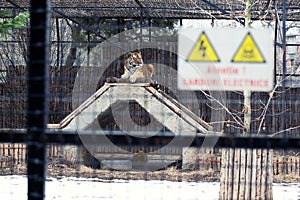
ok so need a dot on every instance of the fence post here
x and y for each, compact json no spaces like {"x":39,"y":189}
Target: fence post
{"x":37,"y":112}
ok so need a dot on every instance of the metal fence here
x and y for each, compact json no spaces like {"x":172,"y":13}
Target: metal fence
{"x":60,"y":119}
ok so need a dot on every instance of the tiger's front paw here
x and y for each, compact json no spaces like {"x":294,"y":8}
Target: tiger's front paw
{"x":111,"y":80}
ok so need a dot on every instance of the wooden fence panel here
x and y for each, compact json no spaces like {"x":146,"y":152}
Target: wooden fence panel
{"x":286,"y":165}
{"x":14,"y":155}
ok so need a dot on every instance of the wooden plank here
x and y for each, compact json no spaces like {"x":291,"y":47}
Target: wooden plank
{"x":186,"y":110}
{"x":181,"y":111}
{"x":230,"y":177}
{"x":236,"y":173}
{"x":292,"y":165}
{"x":298,"y":166}
{"x":83,"y":106}
{"x":261,"y":173}
{"x":1,"y":155}
{"x":149,"y":150}
{"x":224,"y":184}
{"x":269,"y":175}
{"x":242,"y":179}
{"x":54,"y":126}
{"x":128,"y":156}
{"x":129,"y":84}
{"x":248,"y":173}
{"x":275,"y":165}
{"x":254,"y":173}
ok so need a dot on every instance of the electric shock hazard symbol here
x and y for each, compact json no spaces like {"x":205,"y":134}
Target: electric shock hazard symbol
{"x":248,"y":52}
{"x":203,"y":51}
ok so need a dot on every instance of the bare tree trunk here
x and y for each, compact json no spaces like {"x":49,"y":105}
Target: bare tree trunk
{"x":247,"y":111}
{"x":73,"y":49}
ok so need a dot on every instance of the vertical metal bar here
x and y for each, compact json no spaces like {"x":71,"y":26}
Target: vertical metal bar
{"x":37,"y":108}
{"x":283,"y":97}
{"x":275,"y":46}
{"x":58,"y":42}
{"x":150,"y":25}
{"x":141,"y":26}
{"x":58,"y":68}
{"x":89,"y":43}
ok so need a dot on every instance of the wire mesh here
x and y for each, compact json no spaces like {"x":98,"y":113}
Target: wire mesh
{"x":114,"y":140}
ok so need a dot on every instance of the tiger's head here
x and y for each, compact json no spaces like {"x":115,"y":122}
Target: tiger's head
{"x":134,"y":59}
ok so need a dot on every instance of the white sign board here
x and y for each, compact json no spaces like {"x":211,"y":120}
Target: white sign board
{"x":225,"y":59}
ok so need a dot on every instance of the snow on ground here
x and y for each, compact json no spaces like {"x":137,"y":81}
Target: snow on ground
{"x":15,"y":187}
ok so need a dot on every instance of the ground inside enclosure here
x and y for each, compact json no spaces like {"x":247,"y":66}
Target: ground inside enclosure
{"x":67,"y":180}
{"x":285,"y":168}
{"x":58,"y":169}
{"x":95,"y":188}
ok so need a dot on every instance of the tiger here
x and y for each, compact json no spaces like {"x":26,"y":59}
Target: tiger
{"x":135,"y":70}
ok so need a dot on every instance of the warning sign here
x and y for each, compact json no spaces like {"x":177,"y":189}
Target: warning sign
{"x":225,"y":59}
{"x":203,"y":51}
{"x":248,"y":51}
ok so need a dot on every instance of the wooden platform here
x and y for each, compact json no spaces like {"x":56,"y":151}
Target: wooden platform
{"x":150,"y":98}
{"x":166,"y":110}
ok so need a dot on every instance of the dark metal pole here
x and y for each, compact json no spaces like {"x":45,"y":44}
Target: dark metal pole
{"x":37,"y":108}
{"x":283,"y":99}
{"x":275,"y":46}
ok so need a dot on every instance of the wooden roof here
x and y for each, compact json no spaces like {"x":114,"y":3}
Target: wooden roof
{"x":186,"y":9}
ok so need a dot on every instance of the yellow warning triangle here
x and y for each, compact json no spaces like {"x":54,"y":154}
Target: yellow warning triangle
{"x":248,"y":51}
{"x":203,"y":51}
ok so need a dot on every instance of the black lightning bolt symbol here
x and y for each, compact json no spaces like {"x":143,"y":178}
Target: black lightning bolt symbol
{"x":202,"y":48}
